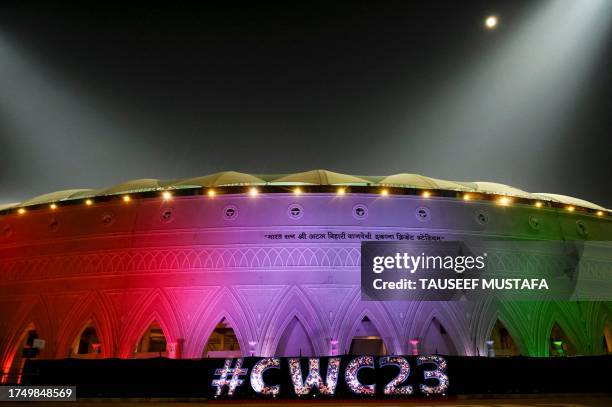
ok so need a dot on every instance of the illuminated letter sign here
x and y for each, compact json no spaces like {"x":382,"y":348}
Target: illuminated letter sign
{"x":395,"y":371}
{"x":302,"y":387}
{"x":437,"y":374}
{"x":353,"y":368}
{"x":257,"y":381}
{"x":231,"y":384}
{"x":404,"y":371}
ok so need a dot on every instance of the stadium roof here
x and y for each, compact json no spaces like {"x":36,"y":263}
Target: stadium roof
{"x":307,"y":178}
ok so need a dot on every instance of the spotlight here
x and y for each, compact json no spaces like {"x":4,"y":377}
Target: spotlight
{"x":600,"y":213}
{"x":88,"y":202}
{"x":504,"y":201}
{"x":253,"y":191}
{"x":53,"y":206}
{"x":491,"y":22}
{"x":211,"y":192}
{"x":384,"y":192}
{"x":341,"y":191}
{"x":538,"y":204}
{"x":297,"y":191}
{"x":126,"y":198}
{"x":166,"y":195}
{"x":21,"y":211}
{"x":466,"y":197}
{"x":570,"y":208}
{"x":427,"y":194}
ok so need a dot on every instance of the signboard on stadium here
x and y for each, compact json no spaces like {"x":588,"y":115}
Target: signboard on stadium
{"x":346,"y":375}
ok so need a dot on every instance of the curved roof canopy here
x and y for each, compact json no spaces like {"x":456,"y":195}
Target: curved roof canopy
{"x":58,"y":196}
{"x":422,"y":182}
{"x":313,"y":177}
{"x":320,"y":177}
{"x":5,"y":207}
{"x":501,"y":189}
{"x":219,"y":179}
{"x":568,"y":200}
{"x":133,"y":186}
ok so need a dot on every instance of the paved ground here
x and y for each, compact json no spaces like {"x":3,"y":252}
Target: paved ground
{"x":556,"y":401}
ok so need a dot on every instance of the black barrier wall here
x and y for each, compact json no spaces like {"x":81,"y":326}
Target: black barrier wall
{"x":162,"y":377}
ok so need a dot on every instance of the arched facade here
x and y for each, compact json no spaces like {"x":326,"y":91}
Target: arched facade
{"x":607,"y":338}
{"x":222,"y":342}
{"x":294,"y":340}
{"x":15,"y":359}
{"x":89,"y":311}
{"x":186,"y":264}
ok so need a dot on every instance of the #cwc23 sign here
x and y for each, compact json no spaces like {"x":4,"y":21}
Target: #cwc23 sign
{"x":346,"y":375}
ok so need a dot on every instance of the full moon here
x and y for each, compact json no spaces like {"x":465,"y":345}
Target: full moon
{"x":491,"y":22}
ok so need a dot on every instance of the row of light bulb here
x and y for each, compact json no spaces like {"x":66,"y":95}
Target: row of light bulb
{"x":167,"y":195}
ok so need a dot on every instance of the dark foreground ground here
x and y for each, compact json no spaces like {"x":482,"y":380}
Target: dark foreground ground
{"x":527,"y":401}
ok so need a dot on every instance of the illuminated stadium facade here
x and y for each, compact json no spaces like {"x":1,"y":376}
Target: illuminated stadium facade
{"x":236,"y":264}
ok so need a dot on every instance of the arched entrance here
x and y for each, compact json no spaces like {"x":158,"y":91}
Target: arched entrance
{"x":222,"y":342}
{"x":367,"y":340}
{"x":294,"y":341}
{"x":607,"y":338}
{"x":152,"y":343}
{"x":87,"y":344}
{"x":503,"y":344}
{"x":559,"y":343}
{"x":437,"y":340}
{"x":24,"y":350}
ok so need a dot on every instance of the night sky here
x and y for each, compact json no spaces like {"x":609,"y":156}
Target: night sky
{"x":92,"y":94}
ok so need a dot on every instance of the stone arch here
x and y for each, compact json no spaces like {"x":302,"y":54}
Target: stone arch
{"x":512,"y":315}
{"x":13,"y":365}
{"x":16,"y":312}
{"x":378,"y":315}
{"x":457,"y":339}
{"x":222,"y":341}
{"x":86,"y":343}
{"x":295,"y":303}
{"x":567,"y":320}
{"x":224,"y":305}
{"x":515,"y":331}
{"x":34,"y":314}
{"x":478,"y":316}
{"x":559,"y":343}
{"x":154,"y":307}
{"x":607,"y":338}
{"x":504,"y":343}
{"x":357,"y":325}
{"x":294,"y":339}
{"x":367,"y":340}
{"x":436,"y":339}
{"x":600,"y":329}
{"x":151,"y":343}
{"x":94,"y":311}
{"x":47,"y":330}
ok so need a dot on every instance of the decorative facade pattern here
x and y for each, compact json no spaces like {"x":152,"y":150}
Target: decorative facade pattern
{"x":280,"y":296}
